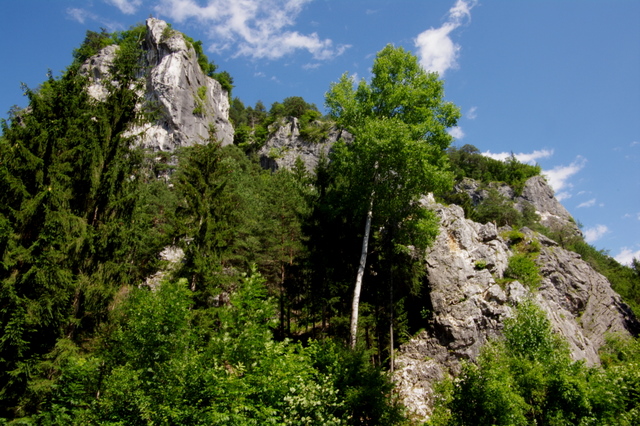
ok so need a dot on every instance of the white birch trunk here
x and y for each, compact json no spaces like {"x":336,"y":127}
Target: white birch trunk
{"x":356,"y":291}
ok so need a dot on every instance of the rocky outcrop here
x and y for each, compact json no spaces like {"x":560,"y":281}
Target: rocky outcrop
{"x":189,"y":106}
{"x":580,"y":302}
{"x":468,"y":307}
{"x":286,"y":145}
{"x":540,"y":195}
{"x":536,"y":193}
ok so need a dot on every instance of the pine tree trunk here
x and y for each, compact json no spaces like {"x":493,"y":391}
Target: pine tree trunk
{"x":358,"y":288}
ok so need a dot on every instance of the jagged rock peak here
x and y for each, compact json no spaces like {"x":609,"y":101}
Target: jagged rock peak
{"x":189,"y":103}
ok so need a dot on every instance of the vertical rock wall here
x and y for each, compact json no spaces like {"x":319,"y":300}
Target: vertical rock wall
{"x":187,"y":103}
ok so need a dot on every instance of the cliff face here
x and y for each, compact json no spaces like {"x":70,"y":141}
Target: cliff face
{"x":536,"y":193}
{"x":469,"y":307}
{"x":188,"y":103}
{"x":286,"y":145}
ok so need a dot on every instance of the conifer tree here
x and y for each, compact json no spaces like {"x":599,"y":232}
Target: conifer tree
{"x":70,"y":178}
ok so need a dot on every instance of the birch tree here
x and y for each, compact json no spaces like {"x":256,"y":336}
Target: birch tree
{"x":399,"y":119}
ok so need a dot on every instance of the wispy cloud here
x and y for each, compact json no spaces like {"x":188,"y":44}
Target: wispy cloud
{"x":590,"y":203}
{"x":626,"y":255}
{"x":523,"y":157}
{"x":80,"y":15}
{"x":436,"y":50}
{"x":472,"y":114}
{"x":593,"y":234}
{"x":128,"y":7}
{"x":83,"y":15}
{"x":253,"y":28}
{"x":558,"y":177}
{"x":456,"y":132}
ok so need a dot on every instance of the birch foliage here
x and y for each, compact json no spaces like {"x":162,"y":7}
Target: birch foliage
{"x":399,"y":120}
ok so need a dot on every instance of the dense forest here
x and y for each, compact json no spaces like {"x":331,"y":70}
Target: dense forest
{"x":255,"y":320}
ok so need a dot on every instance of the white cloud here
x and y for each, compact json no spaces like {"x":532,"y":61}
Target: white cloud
{"x":80,"y":15}
{"x":558,"y":176}
{"x":523,"y":157}
{"x":593,"y":234}
{"x":456,"y":132}
{"x":254,"y":28}
{"x":436,"y":50}
{"x":83,"y":15}
{"x":590,"y":203}
{"x":626,"y":255}
{"x":563,"y":195}
{"x":472,"y":114}
{"x":128,"y":7}
{"x":634,"y":143}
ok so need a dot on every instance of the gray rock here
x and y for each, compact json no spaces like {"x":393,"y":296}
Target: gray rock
{"x":469,"y":307}
{"x":536,"y":193}
{"x":580,"y":303}
{"x":286,"y":145}
{"x":540,"y":195}
{"x":189,"y":103}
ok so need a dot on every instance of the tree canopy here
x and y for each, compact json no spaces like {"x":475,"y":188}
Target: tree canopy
{"x":399,"y":121}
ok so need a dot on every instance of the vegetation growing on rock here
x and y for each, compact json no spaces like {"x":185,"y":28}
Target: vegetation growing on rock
{"x":251,"y":325}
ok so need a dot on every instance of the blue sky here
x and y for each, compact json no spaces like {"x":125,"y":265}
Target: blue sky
{"x":555,"y":82}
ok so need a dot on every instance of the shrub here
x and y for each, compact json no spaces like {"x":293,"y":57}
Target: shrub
{"x":522,"y":268}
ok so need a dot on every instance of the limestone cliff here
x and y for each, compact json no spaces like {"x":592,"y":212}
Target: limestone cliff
{"x":468,"y":306}
{"x":188,"y":104}
{"x":285,"y":145}
{"x":536,"y":193}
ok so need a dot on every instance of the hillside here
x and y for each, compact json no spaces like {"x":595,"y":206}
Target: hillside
{"x":170,"y":256}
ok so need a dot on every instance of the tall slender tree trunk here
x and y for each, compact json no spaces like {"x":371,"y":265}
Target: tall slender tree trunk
{"x":358,"y":288}
{"x":391,"y":357}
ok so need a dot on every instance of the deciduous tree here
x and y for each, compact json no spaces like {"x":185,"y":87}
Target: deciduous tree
{"x":399,"y":120}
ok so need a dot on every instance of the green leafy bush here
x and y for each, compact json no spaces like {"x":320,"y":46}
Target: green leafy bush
{"x":467,"y":161}
{"x":530,"y":378}
{"x":522,"y":268}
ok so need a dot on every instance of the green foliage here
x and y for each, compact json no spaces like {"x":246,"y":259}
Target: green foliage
{"x":522,"y":265}
{"x":522,"y":268}
{"x":529,"y":378}
{"x":93,"y":43}
{"x":199,"y":99}
{"x":497,"y":208}
{"x":467,"y":161}
{"x":74,"y":226}
{"x":216,"y":366}
{"x":313,"y":129}
{"x":399,"y":122}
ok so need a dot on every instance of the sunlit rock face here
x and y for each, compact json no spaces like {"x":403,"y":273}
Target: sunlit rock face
{"x":285,"y":145}
{"x":536,"y":193}
{"x":187,"y":107}
{"x":468,"y":307}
